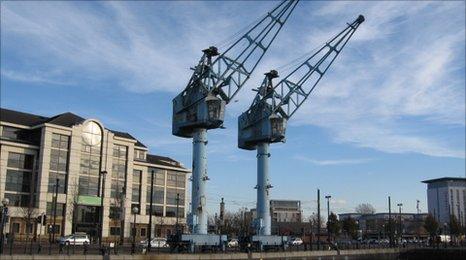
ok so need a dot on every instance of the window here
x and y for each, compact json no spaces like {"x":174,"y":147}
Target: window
{"x":20,"y":161}
{"x":18,"y":181}
{"x":53,"y":176}
{"x":18,"y":200}
{"x":172,"y":194}
{"x":171,"y":212}
{"x":88,"y":186}
{"x":157,"y":196}
{"x":115,"y":213}
{"x":117,"y":188}
{"x":89,"y":165}
{"x":60,"y":141}
{"x":13,"y":133}
{"x":175,"y":179}
{"x":159,"y":177}
{"x":60,"y":209}
{"x":118,"y":170}
{"x":139,"y":154}
{"x":156,"y":210}
{"x":136,"y":188}
{"x":143,"y":232}
{"x":114,"y":231}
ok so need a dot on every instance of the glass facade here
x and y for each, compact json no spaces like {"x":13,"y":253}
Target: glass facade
{"x":19,"y":179}
{"x":118,"y":176}
{"x":89,"y":169}
{"x":59,"y":163}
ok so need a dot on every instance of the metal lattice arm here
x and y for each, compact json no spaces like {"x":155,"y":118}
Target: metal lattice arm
{"x":231,"y":69}
{"x":290,"y":93}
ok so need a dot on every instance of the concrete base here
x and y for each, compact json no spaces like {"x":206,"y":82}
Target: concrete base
{"x":270,"y":241}
{"x":206,"y":240}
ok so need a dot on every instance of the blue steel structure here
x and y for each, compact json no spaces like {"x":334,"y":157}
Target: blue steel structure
{"x":216,"y":79}
{"x":265,"y":120}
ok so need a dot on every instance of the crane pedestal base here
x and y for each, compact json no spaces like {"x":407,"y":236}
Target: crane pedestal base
{"x":204,"y":240}
{"x":270,"y":241}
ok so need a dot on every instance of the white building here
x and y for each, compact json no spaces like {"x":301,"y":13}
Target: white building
{"x":447,"y":196}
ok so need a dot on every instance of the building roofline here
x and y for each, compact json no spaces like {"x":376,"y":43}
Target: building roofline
{"x":444,"y":179}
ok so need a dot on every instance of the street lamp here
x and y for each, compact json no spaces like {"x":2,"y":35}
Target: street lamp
{"x":135,"y":211}
{"x":399,"y":218}
{"x":102,"y":196}
{"x":5,"y":202}
{"x":328,"y":215}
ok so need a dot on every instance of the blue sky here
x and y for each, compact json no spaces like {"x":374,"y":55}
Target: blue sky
{"x":389,"y":113}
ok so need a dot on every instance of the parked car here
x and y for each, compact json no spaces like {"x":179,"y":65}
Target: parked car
{"x":75,"y":239}
{"x":233,"y":242}
{"x":296,"y":241}
{"x":155,"y":242}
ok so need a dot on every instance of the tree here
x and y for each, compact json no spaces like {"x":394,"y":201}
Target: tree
{"x":431,"y":225}
{"x":28,"y":214}
{"x":333,"y":225}
{"x":350,"y":227}
{"x":365,"y":208}
{"x":455,"y":226}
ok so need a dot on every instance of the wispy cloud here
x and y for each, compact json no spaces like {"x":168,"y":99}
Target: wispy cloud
{"x":333,"y":161}
{"x":44,"y":78}
{"x":395,"y":88}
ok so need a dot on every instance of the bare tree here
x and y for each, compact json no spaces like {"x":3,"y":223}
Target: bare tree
{"x":72,"y":207}
{"x":28,"y":215}
{"x":365,"y":208}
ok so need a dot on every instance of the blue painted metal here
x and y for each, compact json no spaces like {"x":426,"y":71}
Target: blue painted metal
{"x":216,"y":79}
{"x":266,"y":118}
{"x":263,"y":221}
{"x":199,"y":179}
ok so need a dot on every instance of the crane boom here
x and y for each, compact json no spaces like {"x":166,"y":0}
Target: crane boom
{"x":218,"y":77}
{"x":265,"y":120}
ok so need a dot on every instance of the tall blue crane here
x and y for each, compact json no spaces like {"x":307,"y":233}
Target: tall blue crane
{"x":265,"y":120}
{"x":216,"y":79}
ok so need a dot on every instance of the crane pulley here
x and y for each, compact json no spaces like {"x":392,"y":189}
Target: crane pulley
{"x":219,"y":76}
{"x":265,"y":120}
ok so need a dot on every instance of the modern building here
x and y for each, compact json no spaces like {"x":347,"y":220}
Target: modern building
{"x":285,"y":210}
{"x":446,"y":197}
{"x":286,"y":217}
{"x":376,"y":225}
{"x":93,"y":170}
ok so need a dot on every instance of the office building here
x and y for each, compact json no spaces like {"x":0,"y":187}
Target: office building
{"x":447,"y":197}
{"x":93,"y":167}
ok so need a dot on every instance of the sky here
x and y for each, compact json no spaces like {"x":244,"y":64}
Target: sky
{"x":388,"y":114}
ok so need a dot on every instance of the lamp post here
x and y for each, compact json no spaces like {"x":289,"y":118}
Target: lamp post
{"x":102,"y":196}
{"x":135,"y":211}
{"x":149,"y":238}
{"x":328,"y":215}
{"x":5,"y":202}
{"x":399,"y":219}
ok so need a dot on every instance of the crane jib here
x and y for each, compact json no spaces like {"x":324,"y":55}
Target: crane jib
{"x":285,"y":98}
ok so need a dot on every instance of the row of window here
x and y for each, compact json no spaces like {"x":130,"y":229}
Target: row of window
{"x":115,"y":212}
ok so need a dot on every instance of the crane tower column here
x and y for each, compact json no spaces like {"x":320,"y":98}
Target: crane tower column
{"x":199,"y":178}
{"x":263,"y":186}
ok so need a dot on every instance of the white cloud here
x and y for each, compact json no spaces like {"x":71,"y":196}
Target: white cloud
{"x":400,"y":79}
{"x":333,"y":161}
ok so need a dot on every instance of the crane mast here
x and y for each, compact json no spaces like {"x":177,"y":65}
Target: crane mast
{"x":216,"y":79}
{"x":265,"y":120}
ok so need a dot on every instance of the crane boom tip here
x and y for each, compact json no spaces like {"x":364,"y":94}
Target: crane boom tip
{"x":360,"y":19}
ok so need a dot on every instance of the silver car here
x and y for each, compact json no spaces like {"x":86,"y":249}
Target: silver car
{"x":75,"y":239}
{"x":155,"y":242}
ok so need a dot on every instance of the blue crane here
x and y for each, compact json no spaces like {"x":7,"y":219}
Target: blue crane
{"x":265,"y":120}
{"x":216,"y":79}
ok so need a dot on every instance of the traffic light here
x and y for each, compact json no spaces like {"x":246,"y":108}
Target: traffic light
{"x":44,"y":219}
